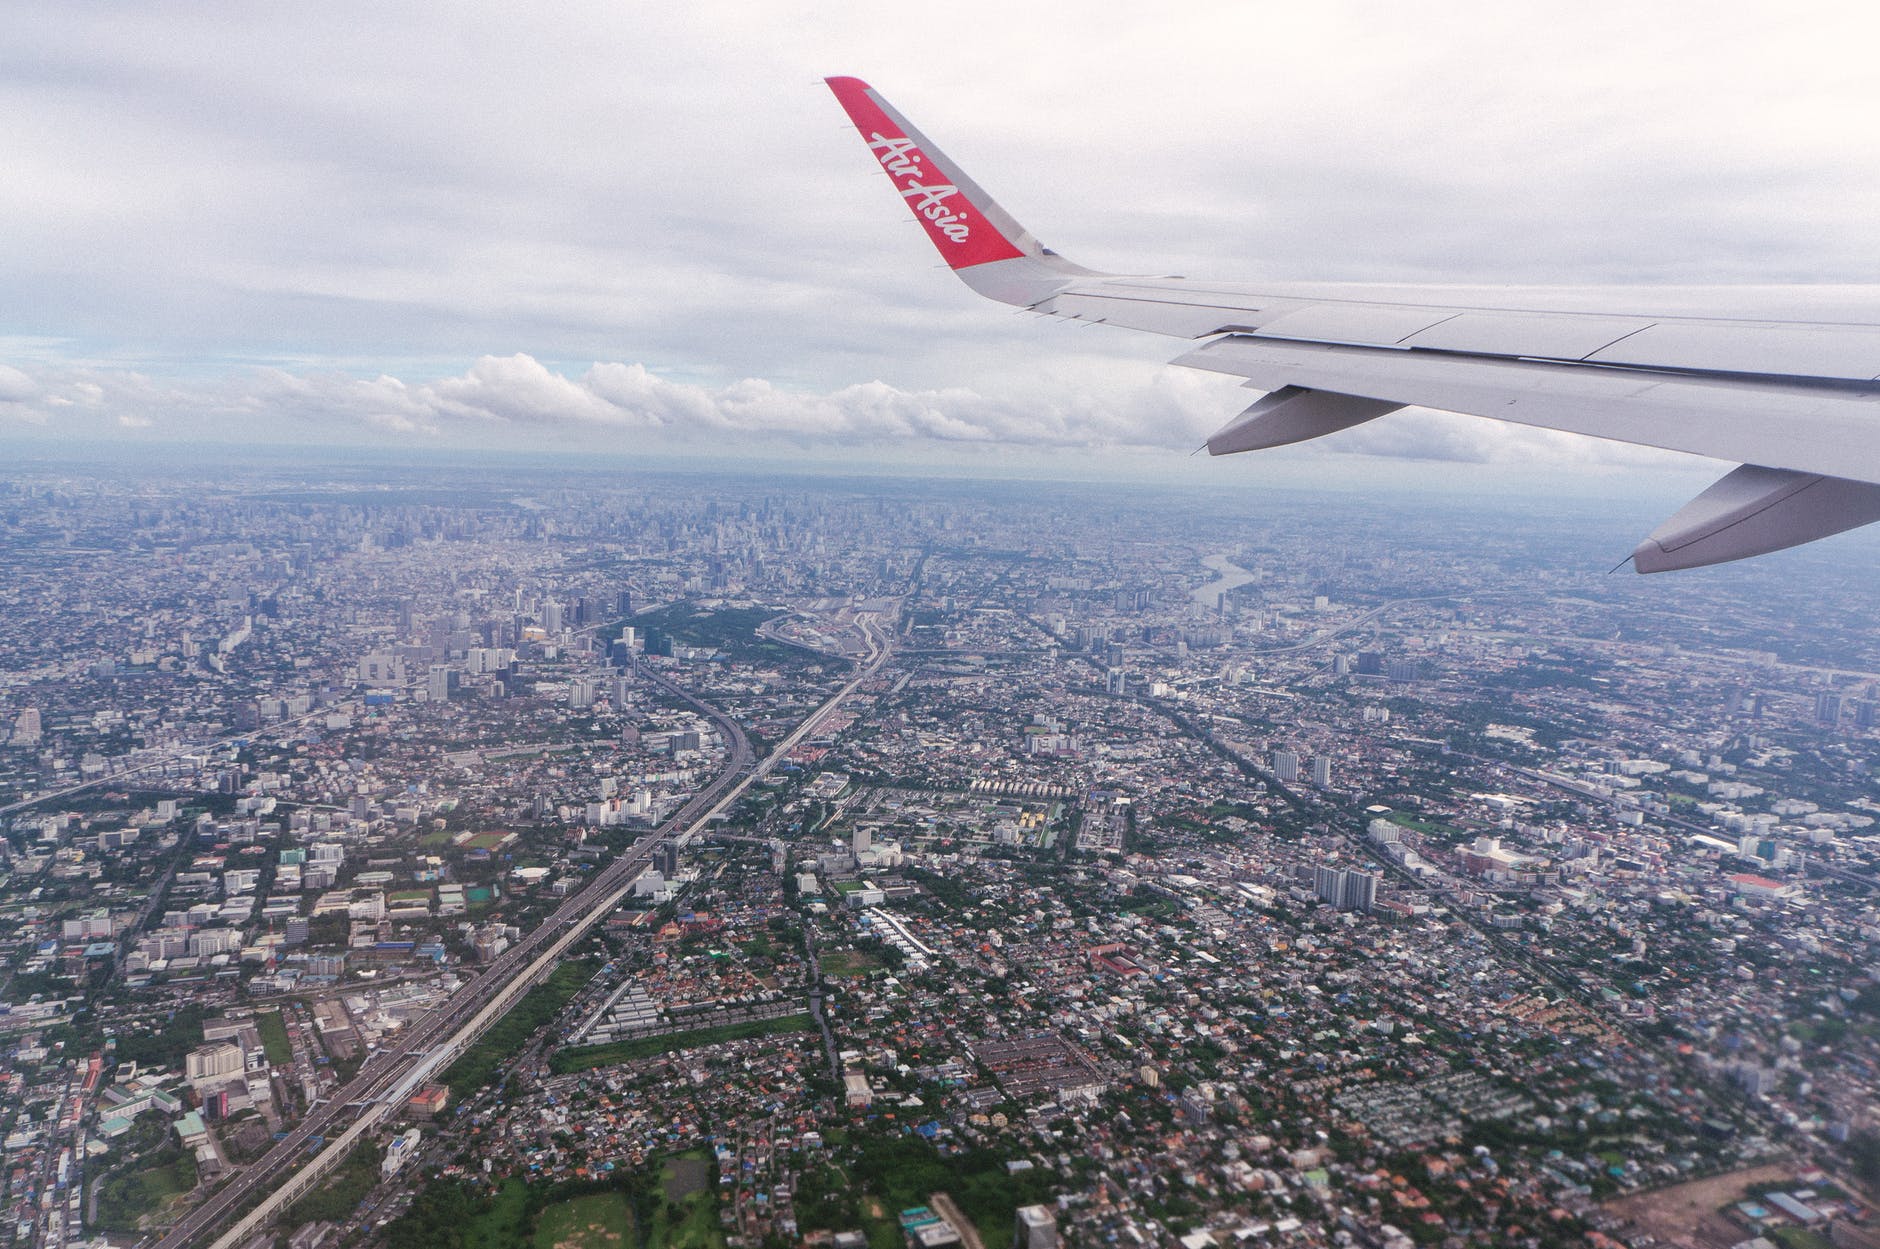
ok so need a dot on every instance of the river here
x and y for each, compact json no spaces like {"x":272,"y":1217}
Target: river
{"x":1228,"y":576}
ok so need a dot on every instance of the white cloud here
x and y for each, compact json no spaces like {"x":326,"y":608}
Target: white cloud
{"x":15,"y":386}
{"x":517,"y":401}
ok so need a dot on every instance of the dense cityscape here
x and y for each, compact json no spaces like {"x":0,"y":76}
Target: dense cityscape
{"x":519,"y":853}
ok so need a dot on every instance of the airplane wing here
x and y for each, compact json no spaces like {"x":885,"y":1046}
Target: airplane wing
{"x":1796,"y":404}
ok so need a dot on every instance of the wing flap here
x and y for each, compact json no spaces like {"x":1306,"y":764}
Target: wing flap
{"x":1374,"y":324}
{"x":1566,"y":336}
{"x":1811,"y":430}
{"x":1843,"y":353}
{"x":1178,"y":319}
{"x":1770,"y":349}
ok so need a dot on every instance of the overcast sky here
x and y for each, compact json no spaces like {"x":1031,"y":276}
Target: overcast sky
{"x":629,"y":225}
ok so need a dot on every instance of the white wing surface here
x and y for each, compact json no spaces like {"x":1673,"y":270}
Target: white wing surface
{"x":1797,"y":404}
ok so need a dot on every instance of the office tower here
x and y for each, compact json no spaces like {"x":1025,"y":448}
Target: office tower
{"x":551,"y":617}
{"x":860,"y":842}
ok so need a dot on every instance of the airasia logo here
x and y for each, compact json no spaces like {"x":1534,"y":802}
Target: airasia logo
{"x":902,"y":159}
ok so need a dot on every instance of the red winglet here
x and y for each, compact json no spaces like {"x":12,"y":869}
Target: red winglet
{"x":942,"y":199}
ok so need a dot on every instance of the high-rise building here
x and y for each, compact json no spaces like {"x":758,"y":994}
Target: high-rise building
{"x":1115,"y":682}
{"x":1322,"y":771}
{"x":1827,"y":708}
{"x":439,"y":681}
{"x":860,"y":842}
{"x":1347,"y":890}
{"x":1357,"y":891}
{"x":1036,"y":1228}
{"x":215,"y":1061}
{"x":1286,"y":765}
{"x":26,"y":729}
{"x":551,"y":616}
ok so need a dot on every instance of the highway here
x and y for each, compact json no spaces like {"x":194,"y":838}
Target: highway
{"x":328,"y":1133}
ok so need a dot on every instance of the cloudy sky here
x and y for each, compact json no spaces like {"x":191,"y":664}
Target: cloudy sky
{"x":630,"y":226}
